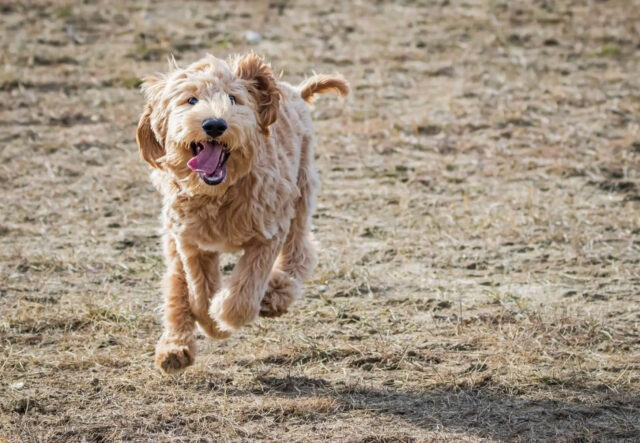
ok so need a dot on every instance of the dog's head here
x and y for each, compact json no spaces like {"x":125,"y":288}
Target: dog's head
{"x":204,"y":123}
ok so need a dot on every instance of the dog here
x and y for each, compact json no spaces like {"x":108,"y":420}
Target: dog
{"x":231,"y":149}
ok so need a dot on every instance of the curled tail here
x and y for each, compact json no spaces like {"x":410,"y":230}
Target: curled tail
{"x":320,"y":84}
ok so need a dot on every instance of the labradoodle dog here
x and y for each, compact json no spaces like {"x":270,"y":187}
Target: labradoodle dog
{"x":232,"y":152}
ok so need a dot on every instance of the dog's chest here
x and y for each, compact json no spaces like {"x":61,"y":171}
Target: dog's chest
{"x":226,"y":228}
{"x":221,"y":230}
{"x":261,"y":210}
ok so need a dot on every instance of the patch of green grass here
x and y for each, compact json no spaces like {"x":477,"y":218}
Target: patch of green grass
{"x":607,"y":51}
{"x":127,"y":82}
{"x":63,"y":11}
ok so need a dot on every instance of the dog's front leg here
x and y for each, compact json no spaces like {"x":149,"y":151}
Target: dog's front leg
{"x":239,"y":302}
{"x":177,"y":347}
{"x":202,"y":270}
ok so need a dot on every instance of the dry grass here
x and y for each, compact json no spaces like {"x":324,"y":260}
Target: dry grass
{"x":479,"y":218}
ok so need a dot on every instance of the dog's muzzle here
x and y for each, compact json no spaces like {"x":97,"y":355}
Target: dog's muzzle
{"x":209,"y":161}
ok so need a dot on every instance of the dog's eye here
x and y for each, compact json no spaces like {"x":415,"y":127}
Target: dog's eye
{"x":233,"y":99}
{"x":192,"y":101}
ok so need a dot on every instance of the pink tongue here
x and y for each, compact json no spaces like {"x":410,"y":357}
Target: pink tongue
{"x":208,"y":159}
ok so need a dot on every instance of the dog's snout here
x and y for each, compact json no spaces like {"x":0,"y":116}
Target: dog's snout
{"x":214,"y":127}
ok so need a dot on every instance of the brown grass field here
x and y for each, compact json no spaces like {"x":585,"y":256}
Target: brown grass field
{"x":479,"y":275}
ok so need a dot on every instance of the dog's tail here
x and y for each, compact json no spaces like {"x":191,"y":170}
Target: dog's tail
{"x":320,"y":84}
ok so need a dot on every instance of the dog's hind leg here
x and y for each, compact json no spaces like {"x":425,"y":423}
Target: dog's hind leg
{"x":298,"y":255}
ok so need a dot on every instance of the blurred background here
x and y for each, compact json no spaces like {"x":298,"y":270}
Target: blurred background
{"x":479,"y":223}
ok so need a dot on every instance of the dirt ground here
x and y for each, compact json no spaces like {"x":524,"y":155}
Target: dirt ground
{"x":479,"y":273}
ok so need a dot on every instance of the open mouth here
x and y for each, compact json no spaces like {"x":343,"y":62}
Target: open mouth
{"x":209,"y":161}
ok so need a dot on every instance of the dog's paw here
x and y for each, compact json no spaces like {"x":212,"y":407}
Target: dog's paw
{"x":173,"y":356}
{"x":232,"y":311}
{"x":281,"y":293}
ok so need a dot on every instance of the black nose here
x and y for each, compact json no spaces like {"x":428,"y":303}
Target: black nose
{"x":214,"y":127}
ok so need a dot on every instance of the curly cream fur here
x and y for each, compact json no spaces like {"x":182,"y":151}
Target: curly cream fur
{"x":263,"y":207}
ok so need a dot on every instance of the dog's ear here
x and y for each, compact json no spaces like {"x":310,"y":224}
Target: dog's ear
{"x":262,"y":86}
{"x":150,"y":148}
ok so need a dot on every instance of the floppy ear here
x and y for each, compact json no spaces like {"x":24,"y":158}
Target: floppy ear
{"x":150,"y":148}
{"x":262,"y":86}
